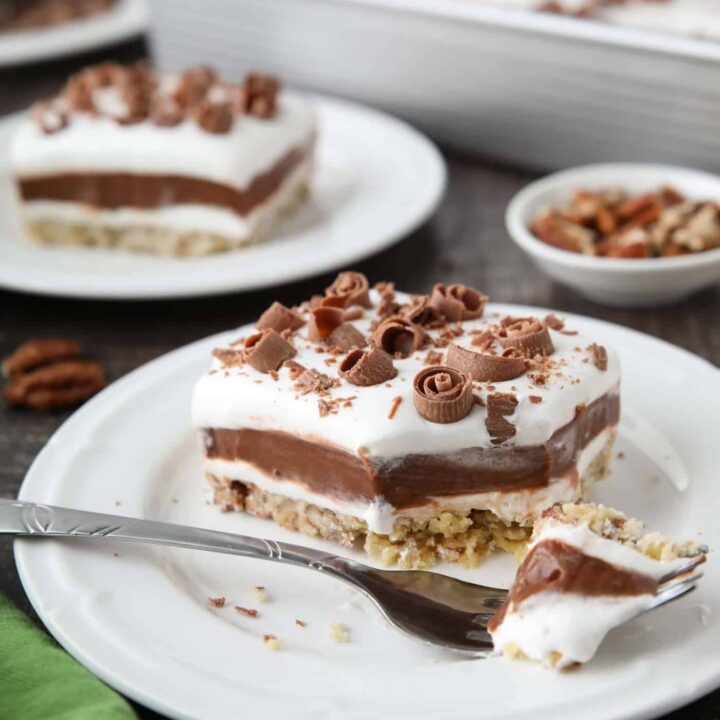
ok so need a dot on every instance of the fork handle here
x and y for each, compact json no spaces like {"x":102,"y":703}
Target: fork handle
{"x":27,"y":519}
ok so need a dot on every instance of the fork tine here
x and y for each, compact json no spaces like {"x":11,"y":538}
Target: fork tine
{"x":494,"y":602}
{"x":678,"y":581}
{"x":674,"y":591}
{"x":683,"y":569}
{"x":481,"y":635}
{"x":482,"y":619}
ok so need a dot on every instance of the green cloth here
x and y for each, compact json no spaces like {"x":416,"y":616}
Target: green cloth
{"x":40,"y":681}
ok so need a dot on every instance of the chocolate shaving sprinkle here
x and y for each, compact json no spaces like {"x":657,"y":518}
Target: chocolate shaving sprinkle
{"x":353,"y":287}
{"x":313,"y":381}
{"x":442,"y":394}
{"x":535,"y":399}
{"x":248,"y":612}
{"x":295,"y":369}
{"x":554,"y":323}
{"x":325,"y":407}
{"x":387,"y":305}
{"x":394,"y":407}
{"x":458,"y":302}
{"x":433,"y":357}
{"x":323,"y":320}
{"x":500,"y":405}
{"x":346,"y":337}
{"x":229,"y":358}
{"x":486,"y":366}
{"x":599,"y":356}
{"x":217,"y":602}
{"x":398,"y":337}
{"x":278,"y":317}
{"x":367,"y":367}
{"x":267,"y":351}
{"x":526,"y":334}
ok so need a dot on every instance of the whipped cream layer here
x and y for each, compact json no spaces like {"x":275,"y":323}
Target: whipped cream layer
{"x":241,"y":397}
{"x":559,"y":628}
{"x":98,"y":143}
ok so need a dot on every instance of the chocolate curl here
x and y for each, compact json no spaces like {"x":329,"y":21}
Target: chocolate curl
{"x":421,"y":312}
{"x":278,"y":318}
{"x":458,"y":302}
{"x":367,"y":367}
{"x":346,"y":337}
{"x":323,"y":320}
{"x":194,"y":84}
{"x":267,"y":351}
{"x":165,"y":112}
{"x":528,"y":335}
{"x":499,"y":405}
{"x":485,"y":366}
{"x":51,"y":116}
{"x":353,"y":286}
{"x":398,"y":337}
{"x":215,"y":117}
{"x":442,"y":394}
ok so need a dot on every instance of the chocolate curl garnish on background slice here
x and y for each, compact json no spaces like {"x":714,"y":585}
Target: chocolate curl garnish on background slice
{"x":346,"y":337}
{"x":458,"y":302}
{"x":353,"y":286}
{"x":486,"y":366}
{"x":51,"y":116}
{"x":398,"y":337}
{"x":599,"y":356}
{"x":267,"y":351}
{"x":194,"y":84}
{"x":215,"y":117}
{"x":421,"y":312}
{"x":443,"y":394}
{"x":499,"y":406}
{"x":278,"y":318}
{"x":323,"y":320}
{"x":367,"y":367}
{"x":527,"y":334}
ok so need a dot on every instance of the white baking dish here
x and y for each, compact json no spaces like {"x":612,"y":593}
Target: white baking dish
{"x":530,"y":88}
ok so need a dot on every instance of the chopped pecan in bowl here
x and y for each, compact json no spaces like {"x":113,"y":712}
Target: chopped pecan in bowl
{"x":615,"y":224}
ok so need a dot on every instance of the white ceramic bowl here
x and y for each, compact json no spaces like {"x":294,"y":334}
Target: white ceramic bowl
{"x":609,"y":281}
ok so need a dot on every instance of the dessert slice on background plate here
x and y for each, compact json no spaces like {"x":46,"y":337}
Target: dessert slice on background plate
{"x":172,"y":164}
{"x":424,"y":428}
{"x":588,"y":569}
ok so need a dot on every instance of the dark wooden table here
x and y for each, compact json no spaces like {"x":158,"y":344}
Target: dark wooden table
{"x":465,"y":242}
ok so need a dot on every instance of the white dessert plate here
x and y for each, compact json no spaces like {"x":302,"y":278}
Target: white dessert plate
{"x":126,"y":20}
{"x":139,"y":617}
{"x":376,"y":180}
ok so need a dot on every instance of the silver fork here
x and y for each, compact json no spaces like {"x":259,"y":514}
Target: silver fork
{"x":432,"y":607}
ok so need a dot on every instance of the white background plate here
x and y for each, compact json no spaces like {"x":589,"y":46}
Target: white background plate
{"x":141,"y":620}
{"x":127,"y":19}
{"x":376,"y":180}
